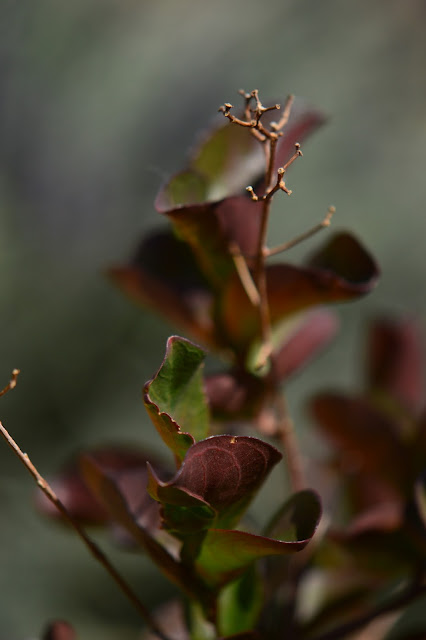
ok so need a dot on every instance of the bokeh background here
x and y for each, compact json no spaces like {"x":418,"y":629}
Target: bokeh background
{"x":99,"y":102}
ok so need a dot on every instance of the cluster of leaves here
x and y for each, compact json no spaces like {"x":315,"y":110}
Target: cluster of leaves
{"x":208,"y":273}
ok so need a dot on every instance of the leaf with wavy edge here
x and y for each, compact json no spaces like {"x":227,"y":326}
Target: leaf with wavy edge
{"x":175,"y":399}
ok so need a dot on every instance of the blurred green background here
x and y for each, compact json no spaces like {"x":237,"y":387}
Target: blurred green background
{"x":99,"y":102}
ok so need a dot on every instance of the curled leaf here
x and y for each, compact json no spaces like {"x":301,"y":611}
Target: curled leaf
{"x":225,"y":554}
{"x":221,"y":472}
{"x":175,"y":398}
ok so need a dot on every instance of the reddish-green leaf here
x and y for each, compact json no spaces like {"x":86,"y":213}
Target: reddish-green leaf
{"x":226,"y":554}
{"x":175,"y":398}
{"x":128,"y":466}
{"x":205,"y":203}
{"x":211,"y":228}
{"x":297,"y":519}
{"x":235,"y":394}
{"x":59,"y":630}
{"x":222,"y":472}
{"x":395,"y":362}
{"x":365,"y":438}
{"x":311,"y":334}
{"x":165,"y":276}
{"x":341,"y":271}
{"x":229,"y":158}
{"x":107,"y":491}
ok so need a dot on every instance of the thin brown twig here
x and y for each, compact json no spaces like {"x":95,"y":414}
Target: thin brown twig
{"x":303,"y":236}
{"x":286,"y":433}
{"x":269,"y":139}
{"x":94,"y":549}
{"x":278,"y":126}
{"x":244,"y":274}
{"x":12,"y":382}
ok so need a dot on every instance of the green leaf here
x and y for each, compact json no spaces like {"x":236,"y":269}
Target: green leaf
{"x":175,"y":398}
{"x":240,"y":603}
{"x":226,"y":554}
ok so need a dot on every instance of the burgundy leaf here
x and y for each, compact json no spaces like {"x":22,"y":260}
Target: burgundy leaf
{"x":59,"y":630}
{"x":222,"y":471}
{"x":235,"y":394}
{"x":211,"y":228}
{"x":314,"y":331}
{"x":341,"y":271}
{"x":384,"y":517}
{"x":74,"y":493}
{"x":395,"y":361}
{"x":107,"y":489}
{"x":165,"y":276}
{"x":366,"y":440}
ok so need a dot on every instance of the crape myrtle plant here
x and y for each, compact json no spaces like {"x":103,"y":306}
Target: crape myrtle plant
{"x":210,"y":271}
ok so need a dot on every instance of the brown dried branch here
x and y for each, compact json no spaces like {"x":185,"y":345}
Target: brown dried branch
{"x":244,"y":274}
{"x":303,"y":236}
{"x":96,"y":552}
{"x":286,"y":434}
{"x":278,"y":126}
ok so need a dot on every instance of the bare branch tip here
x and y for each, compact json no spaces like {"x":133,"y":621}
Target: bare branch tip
{"x":254,"y":197}
{"x":12,"y":382}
